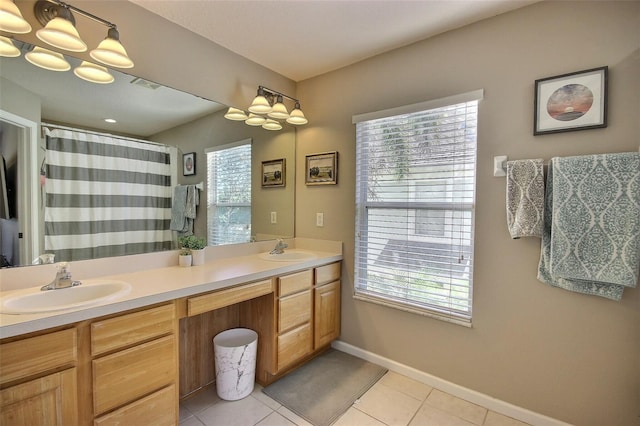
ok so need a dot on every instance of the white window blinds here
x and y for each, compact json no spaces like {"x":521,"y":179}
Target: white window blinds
{"x":415,"y":192}
{"x":229,"y":193}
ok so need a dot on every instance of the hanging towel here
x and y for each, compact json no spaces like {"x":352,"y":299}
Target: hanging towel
{"x":525,"y":198}
{"x":179,"y":221}
{"x":193,"y":199}
{"x":591,"y":238}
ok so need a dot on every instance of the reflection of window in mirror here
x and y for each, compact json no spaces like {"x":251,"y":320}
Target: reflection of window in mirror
{"x":229,"y":193}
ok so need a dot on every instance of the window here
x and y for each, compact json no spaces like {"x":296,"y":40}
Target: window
{"x":229,"y":193}
{"x":415,"y":193}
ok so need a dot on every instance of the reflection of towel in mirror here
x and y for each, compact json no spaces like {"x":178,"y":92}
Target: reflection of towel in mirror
{"x":525,"y":198}
{"x":183,"y":209}
{"x":179,"y":220}
{"x":193,"y":199}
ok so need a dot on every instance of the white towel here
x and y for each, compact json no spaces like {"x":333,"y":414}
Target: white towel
{"x":525,"y":198}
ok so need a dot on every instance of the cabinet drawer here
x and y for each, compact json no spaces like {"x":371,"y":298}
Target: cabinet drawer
{"x":157,"y":409}
{"x":129,"y":329}
{"x":34,"y":355}
{"x":293,"y":283}
{"x":125,"y":376}
{"x":328,"y":273}
{"x":294,"y":310}
{"x":294,"y":345}
{"x":231,"y":296}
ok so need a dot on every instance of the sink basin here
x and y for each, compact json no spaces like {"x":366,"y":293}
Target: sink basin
{"x":288,"y":256}
{"x":91,"y":292}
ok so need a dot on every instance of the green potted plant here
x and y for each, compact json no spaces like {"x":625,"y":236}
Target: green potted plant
{"x":196,"y":246}
{"x":184,"y":257}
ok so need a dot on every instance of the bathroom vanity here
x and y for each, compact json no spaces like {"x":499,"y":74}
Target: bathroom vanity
{"x":129,"y":361}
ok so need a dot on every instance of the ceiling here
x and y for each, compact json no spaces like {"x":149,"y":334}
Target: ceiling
{"x":305,"y":38}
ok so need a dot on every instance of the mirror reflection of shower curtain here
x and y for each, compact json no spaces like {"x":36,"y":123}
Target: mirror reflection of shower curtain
{"x":105,"y":196}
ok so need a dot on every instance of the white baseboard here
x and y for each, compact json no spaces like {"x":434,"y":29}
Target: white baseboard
{"x":470,"y":395}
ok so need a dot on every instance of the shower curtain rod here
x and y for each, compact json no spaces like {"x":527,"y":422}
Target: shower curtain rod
{"x":93,"y":132}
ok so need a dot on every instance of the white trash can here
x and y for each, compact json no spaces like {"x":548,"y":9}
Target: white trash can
{"x":235,"y":353}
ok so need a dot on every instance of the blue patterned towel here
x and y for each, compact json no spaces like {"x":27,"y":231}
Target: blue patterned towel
{"x":591,"y":238}
{"x":525,"y":198}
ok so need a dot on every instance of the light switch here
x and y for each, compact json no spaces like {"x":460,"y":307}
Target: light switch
{"x":274,"y":217}
{"x":320,"y":219}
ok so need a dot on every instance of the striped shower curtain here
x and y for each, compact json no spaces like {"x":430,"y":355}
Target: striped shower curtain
{"x":105,"y":196}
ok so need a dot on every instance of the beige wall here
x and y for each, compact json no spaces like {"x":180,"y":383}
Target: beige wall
{"x":565,"y":355}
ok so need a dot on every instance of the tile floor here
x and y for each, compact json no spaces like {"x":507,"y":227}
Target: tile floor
{"x":394,"y":400}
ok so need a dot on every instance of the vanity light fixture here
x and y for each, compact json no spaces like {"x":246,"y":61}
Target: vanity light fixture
{"x":297,"y":116}
{"x":235,"y":114}
{"x":93,"y":73}
{"x":279,"y":111}
{"x":60,"y":31}
{"x":11,"y":19}
{"x":268,"y":103}
{"x":47,"y":59}
{"x":255,"y":120}
{"x":7,"y":48}
{"x":111,"y":52}
{"x":260,"y":104}
{"x":271,"y":124}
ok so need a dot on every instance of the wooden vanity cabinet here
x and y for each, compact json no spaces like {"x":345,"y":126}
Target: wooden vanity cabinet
{"x":326,"y":305}
{"x":294,"y":304}
{"x":135,"y":368}
{"x":38,"y":380}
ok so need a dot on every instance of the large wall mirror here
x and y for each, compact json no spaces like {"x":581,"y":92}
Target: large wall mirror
{"x":143,"y":110}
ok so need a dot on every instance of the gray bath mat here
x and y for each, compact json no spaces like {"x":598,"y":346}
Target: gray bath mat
{"x":323,"y":389}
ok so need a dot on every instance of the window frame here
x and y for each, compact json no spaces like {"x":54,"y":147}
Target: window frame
{"x":211,"y":191}
{"x":413,"y":205}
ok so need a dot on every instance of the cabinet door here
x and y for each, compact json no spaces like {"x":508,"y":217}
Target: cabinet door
{"x":327,"y":314}
{"x":47,"y":401}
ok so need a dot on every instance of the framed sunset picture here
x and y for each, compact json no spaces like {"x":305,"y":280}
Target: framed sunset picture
{"x":569,"y":102}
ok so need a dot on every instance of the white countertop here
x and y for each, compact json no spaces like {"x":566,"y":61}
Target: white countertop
{"x":167,"y":283}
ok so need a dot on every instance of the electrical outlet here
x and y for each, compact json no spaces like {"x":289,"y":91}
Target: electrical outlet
{"x":274,"y":217}
{"x":320,"y":219}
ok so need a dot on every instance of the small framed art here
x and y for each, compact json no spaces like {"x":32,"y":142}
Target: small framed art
{"x":189,"y":164}
{"x":569,"y":102}
{"x":322,"y":169}
{"x":274,"y":173}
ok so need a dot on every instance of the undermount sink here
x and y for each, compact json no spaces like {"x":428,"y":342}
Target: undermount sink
{"x":288,"y":256}
{"x":91,"y":292}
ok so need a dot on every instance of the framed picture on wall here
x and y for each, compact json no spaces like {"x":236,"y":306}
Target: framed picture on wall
{"x":569,"y":102}
{"x":273,"y":173}
{"x":321,"y":169}
{"x":189,"y":164}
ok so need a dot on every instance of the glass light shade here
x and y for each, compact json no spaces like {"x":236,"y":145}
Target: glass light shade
{"x":255,"y":120}
{"x":279,"y":111}
{"x":235,"y":114}
{"x":7,"y":48}
{"x":47,"y":59}
{"x":111,"y":52}
{"x":93,"y":73}
{"x":297,"y":117}
{"x":61,"y":33}
{"x":271,"y":125}
{"x":11,"y":19}
{"x":260,"y":105}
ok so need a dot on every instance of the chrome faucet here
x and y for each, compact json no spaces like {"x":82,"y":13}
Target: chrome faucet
{"x":279,"y":248}
{"x":62,"y":279}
